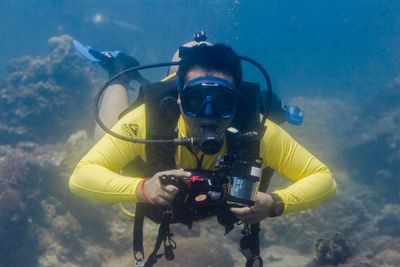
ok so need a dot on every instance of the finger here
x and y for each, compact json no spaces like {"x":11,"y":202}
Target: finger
{"x":162,"y":201}
{"x":170,"y":189}
{"x":177,"y":173}
{"x":236,"y":205}
{"x":251,"y":220}
{"x":241,"y":212}
{"x":167,"y":197}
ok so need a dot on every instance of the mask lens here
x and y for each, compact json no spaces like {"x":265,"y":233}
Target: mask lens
{"x":192,"y":99}
{"x":218,"y":101}
{"x":226,"y":101}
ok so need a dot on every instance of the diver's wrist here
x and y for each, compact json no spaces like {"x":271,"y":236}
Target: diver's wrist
{"x":144,"y":193}
{"x":277,"y":206}
{"x":141,"y":195}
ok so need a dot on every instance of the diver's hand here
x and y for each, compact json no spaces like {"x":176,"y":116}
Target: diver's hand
{"x":256,"y":213}
{"x":161,"y":194}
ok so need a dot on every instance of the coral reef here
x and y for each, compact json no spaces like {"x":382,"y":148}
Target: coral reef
{"x":191,"y":249}
{"x":281,"y":256}
{"x":52,"y":252}
{"x":43,"y":97}
{"x":376,"y":151}
{"x":15,"y":224}
{"x":15,"y":229}
{"x":13,"y":218}
{"x":60,"y":222}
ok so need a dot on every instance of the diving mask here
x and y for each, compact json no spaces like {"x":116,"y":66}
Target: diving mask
{"x":208,"y":97}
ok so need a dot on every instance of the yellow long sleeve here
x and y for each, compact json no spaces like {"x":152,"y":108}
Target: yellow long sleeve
{"x":97,"y":176}
{"x":313,"y":183}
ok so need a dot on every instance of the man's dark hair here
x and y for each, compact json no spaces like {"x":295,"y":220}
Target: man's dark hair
{"x":218,"y":57}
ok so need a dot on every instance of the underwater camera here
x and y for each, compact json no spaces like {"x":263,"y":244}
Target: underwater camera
{"x":237,"y":180}
{"x":202,"y":188}
{"x":243,"y":166}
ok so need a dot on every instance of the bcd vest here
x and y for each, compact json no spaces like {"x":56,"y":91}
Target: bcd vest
{"x":162,"y":114}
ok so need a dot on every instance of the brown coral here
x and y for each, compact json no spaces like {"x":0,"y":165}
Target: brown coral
{"x":13,"y":169}
{"x":46,"y":95}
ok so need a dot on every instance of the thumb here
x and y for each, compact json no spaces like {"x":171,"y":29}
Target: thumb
{"x":171,"y":189}
{"x":241,"y":211}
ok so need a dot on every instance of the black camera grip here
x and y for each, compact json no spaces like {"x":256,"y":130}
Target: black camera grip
{"x":168,"y":180}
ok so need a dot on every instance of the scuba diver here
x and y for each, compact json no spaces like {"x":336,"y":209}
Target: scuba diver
{"x":198,"y":145}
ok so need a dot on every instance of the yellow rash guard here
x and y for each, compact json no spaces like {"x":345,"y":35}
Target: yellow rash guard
{"x":97,"y":176}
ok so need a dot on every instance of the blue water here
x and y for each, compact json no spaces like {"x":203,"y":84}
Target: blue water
{"x":346,"y":49}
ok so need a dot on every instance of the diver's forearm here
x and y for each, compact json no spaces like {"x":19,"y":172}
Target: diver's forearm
{"x":100,"y":184}
{"x":307,"y":192}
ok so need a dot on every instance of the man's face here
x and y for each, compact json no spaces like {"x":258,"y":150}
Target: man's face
{"x":194,"y":126}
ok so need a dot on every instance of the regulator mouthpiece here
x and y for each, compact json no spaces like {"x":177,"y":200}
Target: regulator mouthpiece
{"x":209,"y":142}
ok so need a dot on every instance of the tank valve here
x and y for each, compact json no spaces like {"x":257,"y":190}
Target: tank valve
{"x":200,"y":36}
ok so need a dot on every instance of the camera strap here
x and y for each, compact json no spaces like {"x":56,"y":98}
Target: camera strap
{"x":250,"y":245}
{"x":164,"y":236}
